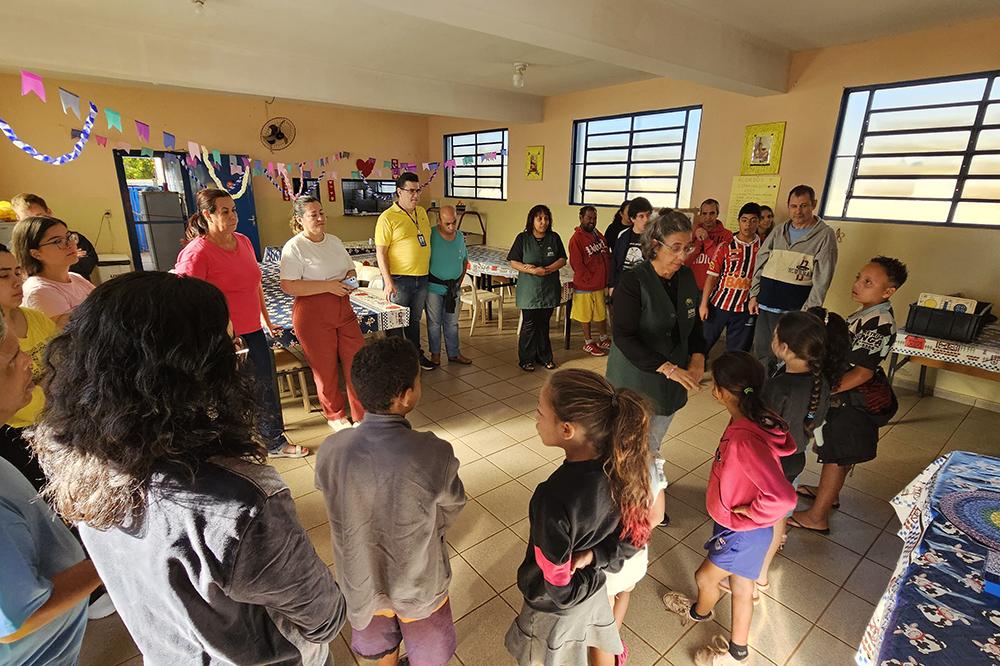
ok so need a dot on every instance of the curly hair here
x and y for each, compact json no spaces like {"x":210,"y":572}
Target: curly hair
{"x":383,"y":370}
{"x":144,"y":376}
{"x":895,"y":270}
{"x":617,"y":424}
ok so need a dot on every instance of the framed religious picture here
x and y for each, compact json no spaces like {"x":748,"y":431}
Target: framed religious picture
{"x":534,"y":159}
{"x":762,"y":149}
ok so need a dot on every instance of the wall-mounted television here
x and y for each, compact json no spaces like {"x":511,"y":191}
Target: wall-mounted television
{"x":367,"y":197}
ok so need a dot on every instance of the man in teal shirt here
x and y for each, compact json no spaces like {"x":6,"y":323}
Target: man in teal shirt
{"x":448,"y":260}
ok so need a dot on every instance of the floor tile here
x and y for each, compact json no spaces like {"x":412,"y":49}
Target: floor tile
{"x":536,"y":476}
{"x":885,"y":550}
{"x":436,"y":410}
{"x":868,"y":580}
{"x":301,"y":480}
{"x":107,"y":641}
{"x":322,"y":542}
{"x":496,"y":559}
{"x":524,"y":403}
{"x":640,"y":653}
{"x":481,"y":634}
{"x":519,"y":427}
{"x":495,"y":411}
{"x":820,"y":555}
{"x":819,"y":647}
{"x":551,"y":453}
{"x":649,"y":619}
{"x":481,"y":476}
{"x":472,"y":399}
{"x":488,"y":440}
{"x":509,"y":502}
{"x":311,"y":509}
{"x":689,"y":489}
{"x":775,"y":630}
{"x":852,"y":533}
{"x":803,"y":591}
{"x":684,"y":519}
{"x":502,"y":390}
{"x":473,"y":524}
{"x":464,"y":424}
{"x":468,"y":590}
{"x":702,"y":438}
{"x":700,"y":634}
{"x":847,"y":617}
{"x":683,"y":454}
{"x":517,"y":460}
{"x":464,"y":452}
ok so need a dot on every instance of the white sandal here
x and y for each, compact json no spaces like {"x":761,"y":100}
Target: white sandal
{"x":298,"y":452}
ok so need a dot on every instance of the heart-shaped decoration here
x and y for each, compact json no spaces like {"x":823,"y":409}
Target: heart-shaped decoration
{"x":365,"y":167}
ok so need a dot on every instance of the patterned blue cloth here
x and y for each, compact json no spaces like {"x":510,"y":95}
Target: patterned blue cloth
{"x":934,"y":610}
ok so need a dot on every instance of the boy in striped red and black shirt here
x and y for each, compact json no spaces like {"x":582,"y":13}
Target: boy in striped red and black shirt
{"x":727,"y":286}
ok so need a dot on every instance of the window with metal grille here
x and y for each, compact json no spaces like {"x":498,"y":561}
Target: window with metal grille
{"x":480,"y":178}
{"x":649,"y":154}
{"x":925,"y":152}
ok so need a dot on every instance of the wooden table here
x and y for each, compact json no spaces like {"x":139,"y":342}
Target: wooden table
{"x":979,"y":358}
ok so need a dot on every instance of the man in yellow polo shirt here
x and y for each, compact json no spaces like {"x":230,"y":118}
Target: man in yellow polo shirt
{"x":403,"y":248}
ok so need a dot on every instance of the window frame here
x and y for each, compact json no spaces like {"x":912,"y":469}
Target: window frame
{"x":504,"y":164}
{"x":992,"y":79}
{"x":629,"y":161}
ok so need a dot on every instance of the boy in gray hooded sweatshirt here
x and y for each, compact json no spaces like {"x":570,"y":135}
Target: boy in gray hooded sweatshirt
{"x":391,"y":492}
{"x":794,"y":268}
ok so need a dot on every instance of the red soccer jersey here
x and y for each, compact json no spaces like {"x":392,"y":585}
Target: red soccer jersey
{"x":733,"y":265}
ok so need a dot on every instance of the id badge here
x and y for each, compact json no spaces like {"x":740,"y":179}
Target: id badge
{"x":421,"y":240}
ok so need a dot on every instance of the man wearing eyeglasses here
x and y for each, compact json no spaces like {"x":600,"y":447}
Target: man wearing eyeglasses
{"x":403,"y":248}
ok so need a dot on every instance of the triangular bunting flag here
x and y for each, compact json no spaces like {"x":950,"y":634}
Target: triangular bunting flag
{"x":147,"y":152}
{"x":101,"y":140}
{"x":32,"y":83}
{"x":194,"y":150}
{"x":75,"y":133}
{"x":169,"y":140}
{"x":114,"y":119}
{"x":217,"y":157}
{"x":387,"y":164}
{"x":142,"y":129}
{"x":69,"y":101}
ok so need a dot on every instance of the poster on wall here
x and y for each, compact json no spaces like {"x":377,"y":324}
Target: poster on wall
{"x":534,"y":158}
{"x":762,"y":146}
{"x":762,"y":190}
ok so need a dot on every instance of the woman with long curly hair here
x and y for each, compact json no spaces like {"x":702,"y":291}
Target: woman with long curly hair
{"x":148,"y":441}
{"x":590,"y":515}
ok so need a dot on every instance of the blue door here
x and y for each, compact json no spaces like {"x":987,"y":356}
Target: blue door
{"x":245,"y":207}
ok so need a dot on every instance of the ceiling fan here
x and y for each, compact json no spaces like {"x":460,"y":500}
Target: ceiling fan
{"x":277,"y":133}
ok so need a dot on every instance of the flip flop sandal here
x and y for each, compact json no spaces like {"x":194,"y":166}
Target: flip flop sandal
{"x":527,"y":367}
{"x":298,"y":452}
{"x":724,"y":586}
{"x":809,"y":493}
{"x":794,"y":523}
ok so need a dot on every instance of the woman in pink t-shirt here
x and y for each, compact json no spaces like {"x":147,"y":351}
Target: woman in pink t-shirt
{"x":217,"y":254}
{"x":46,"y":248}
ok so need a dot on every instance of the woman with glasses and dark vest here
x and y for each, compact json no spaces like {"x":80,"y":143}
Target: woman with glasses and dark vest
{"x":658,"y":348}
{"x":46,"y":249}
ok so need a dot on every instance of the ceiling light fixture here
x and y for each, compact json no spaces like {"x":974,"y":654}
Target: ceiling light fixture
{"x":518,"y":79}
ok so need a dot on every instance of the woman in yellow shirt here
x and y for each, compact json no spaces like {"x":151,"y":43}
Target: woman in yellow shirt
{"x":33,"y":330}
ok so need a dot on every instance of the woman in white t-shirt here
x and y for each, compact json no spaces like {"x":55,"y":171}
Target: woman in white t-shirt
{"x":46,"y":248}
{"x":317,"y":270}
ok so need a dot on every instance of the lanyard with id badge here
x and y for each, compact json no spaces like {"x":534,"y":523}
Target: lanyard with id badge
{"x":420,"y":235}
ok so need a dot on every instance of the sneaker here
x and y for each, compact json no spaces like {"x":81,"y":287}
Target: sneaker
{"x":594,"y":349}
{"x":604,"y":343}
{"x":100,"y":607}
{"x":716,"y":653}
{"x":679,"y":603}
{"x":665,"y":523}
{"x":426,"y":363}
{"x":338,"y":424}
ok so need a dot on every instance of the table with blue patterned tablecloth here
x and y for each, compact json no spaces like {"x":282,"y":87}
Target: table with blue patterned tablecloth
{"x":373,"y":311}
{"x":937,"y":607}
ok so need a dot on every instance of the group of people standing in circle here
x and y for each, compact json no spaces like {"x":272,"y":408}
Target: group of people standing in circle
{"x":158,"y":403}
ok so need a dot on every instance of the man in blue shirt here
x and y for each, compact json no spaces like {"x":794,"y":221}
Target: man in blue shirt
{"x":45,"y":579}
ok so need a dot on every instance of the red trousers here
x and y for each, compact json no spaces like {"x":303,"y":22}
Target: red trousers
{"x":328,"y":329}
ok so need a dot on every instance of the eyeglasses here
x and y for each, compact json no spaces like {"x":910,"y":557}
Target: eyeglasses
{"x":683,"y":250}
{"x":410,"y":191}
{"x":62,"y":242}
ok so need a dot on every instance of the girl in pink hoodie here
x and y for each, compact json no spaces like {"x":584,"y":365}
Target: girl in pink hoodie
{"x":747,"y":494}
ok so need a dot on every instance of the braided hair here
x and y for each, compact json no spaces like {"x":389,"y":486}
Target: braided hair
{"x":821,"y":339}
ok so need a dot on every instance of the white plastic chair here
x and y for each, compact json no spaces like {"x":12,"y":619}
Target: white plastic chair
{"x":368,"y":274}
{"x":477,"y":300}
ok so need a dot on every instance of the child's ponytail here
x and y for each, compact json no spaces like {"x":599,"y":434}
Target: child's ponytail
{"x":617,"y":423}
{"x":743,"y":376}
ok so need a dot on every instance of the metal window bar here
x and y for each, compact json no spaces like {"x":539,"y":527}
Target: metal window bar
{"x":479,"y":146}
{"x":961,"y":177}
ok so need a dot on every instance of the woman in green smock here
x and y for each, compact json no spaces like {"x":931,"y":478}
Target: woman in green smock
{"x":537,"y":254}
{"x":658,"y":347}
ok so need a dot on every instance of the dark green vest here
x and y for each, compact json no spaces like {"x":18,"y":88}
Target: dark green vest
{"x":664,"y":329}
{"x":534,"y":292}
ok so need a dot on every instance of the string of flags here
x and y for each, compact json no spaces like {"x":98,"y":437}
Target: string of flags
{"x":277,"y":173}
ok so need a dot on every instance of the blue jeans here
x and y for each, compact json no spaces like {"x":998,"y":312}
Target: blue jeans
{"x":438,"y":320}
{"x":261,"y":364}
{"x":411,"y":291}
{"x":658,"y":426}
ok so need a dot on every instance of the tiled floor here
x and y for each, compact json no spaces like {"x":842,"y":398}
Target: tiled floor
{"x":823,"y":588}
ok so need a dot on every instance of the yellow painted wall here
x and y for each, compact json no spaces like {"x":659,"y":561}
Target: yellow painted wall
{"x":82,"y":190}
{"x":940,"y":260}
